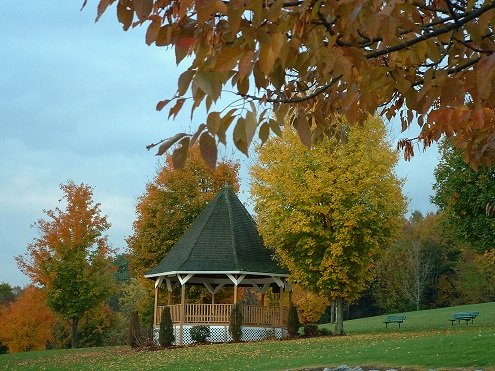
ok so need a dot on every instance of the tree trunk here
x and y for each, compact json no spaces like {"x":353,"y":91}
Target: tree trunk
{"x":332,"y":312}
{"x":339,"y":314}
{"x":75,"y":322}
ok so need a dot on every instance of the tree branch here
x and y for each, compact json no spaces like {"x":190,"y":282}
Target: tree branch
{"x":441,"y":30}
{"x":298,"y":99}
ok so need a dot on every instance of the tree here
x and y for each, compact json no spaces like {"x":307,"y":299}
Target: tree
{"x":166,"y":337}
{"x":411,"y":270}
{"x":8,"y":293}
{"x":328,"y":210}
{"x":71,"y":258}
{"x":27,"y":323}
{"x":170,"y":204}
{"x":310,"y":306}
{"x":462,"y":195}
{"x":426,"y":60}
{"x":167,"y":208}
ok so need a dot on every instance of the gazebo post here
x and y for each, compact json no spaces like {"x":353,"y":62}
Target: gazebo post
{"x":155,"y":315}
{"x":281,"y":305}
{"x":235,"y":293}
{"x":182,"y":313}
{"x":158,"y":283}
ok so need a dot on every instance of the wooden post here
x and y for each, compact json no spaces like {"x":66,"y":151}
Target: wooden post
{"x":281,"y":306}
{"x":182,"y":314}
{"x":213,"y":298}
{"x":235,"y":294}
{"x":262,"y":300}
{"x":155,"y":315}
{"x":169,"y":299}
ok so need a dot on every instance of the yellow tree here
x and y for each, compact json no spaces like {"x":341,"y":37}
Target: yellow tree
{"x":327,"y":210}
{"x":425,"y":60}
{"x":27,"y":322}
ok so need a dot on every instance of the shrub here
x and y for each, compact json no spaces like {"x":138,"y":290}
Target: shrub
{"x":310,"y":330}
{"x":166,"y":336}
{"x":199,"y":333}
{"x":293,"y":323}
{"x":134,"y":330}
{"x":324,"y":331}
{"x":235,"y":322}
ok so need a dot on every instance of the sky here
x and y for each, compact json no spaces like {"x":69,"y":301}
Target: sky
{"x":77,"y":102}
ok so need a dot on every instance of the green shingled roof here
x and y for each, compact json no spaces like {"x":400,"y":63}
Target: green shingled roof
{"x":223,"y":238}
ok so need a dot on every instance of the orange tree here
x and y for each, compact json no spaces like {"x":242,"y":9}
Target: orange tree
{"x":171,"y":202}
{"x":426,"y":60}
{"x":27,"y":322}
{"x":71,"y":258}
{"x":327,"y":211}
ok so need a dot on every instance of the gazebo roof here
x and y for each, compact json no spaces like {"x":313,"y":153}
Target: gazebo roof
{"x":222,"y":240}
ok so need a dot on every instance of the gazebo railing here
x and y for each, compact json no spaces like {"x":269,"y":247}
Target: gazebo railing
{"x":220,"y":313}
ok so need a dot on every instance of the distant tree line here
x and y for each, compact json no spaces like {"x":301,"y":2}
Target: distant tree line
{"x":435,"y":260}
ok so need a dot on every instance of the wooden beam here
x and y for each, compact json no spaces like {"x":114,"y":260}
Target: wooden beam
{"x":158,"y":282}
{"x":182,"y":314}
{"x":183,"y":280}
{"x":155,"y":312}
{"x":236,"y":280}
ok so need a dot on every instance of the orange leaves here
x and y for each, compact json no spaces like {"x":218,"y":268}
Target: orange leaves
{"x":378,"y":54}
{"x":208,"y":149}
{"x":125,"y":13}
{"x":470,"y":129}
{"x":485,"y":77}
{"x":26,"y":324}
{"x":269,"y":52}
{"x":143,"y":8}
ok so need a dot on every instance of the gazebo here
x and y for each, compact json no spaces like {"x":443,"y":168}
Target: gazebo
{"x":222,"y":248}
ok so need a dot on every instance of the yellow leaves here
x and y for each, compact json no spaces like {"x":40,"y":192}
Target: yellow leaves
{"x":313,"y":205}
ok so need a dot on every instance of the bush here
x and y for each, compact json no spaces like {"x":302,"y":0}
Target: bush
{"x":199,"y":333}
{"x":235,"y":322}
{"x":134,"y":330}
{"x":293,"y":323}
{"x":166,"y":336}
{"x":310,"y":330}
{"x":324,"y":332}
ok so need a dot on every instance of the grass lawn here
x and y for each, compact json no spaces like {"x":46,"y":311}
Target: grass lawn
{"x":425,"y":340}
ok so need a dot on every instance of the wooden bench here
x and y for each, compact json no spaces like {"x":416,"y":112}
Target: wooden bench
{"x":464,"y":316}
{"x":394,"y":318}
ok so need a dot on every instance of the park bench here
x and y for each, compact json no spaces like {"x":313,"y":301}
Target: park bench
{"x":394,"y":318}
{"x":464,"y":316}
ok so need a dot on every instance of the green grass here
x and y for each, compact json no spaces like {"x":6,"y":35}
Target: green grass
{"x":426,"y":340}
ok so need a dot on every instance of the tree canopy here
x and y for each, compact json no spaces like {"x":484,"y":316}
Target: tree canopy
{"x":27,"y":322}
{"x":171,"y":202}
{"x":71,"y":258}
{"x":327,"y":211}
{"x":462,"y":195}
{"x":427,"y":60}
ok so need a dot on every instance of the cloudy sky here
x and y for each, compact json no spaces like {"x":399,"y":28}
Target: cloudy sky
{"x":77,"y":102}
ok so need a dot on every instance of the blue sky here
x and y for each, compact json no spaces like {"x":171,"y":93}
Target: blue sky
{"x":77,"y":101}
